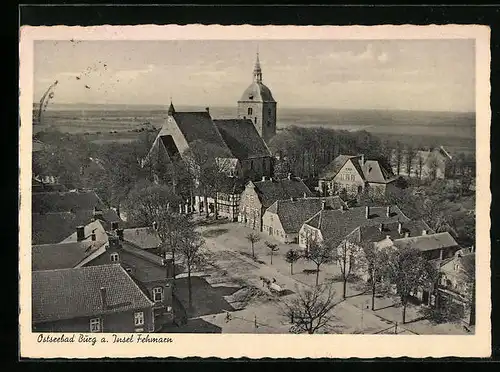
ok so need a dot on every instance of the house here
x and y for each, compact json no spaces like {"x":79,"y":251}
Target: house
{"x":457,"y":275}
{"x":89,"y":299}
{"x":228,"y":194}
{"x":144,"y":238}
{"x":432,"y":163}
{"x":40,"y":187}
{"x":238,"y":144}
{"x":284,"y":218}
{"x":350,"y":176}
{"x":335,"y":226}
{"x":258,"y":196}
{"x":56,"y":215}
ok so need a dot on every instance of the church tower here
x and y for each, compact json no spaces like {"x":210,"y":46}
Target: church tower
{"x":258,"y":105}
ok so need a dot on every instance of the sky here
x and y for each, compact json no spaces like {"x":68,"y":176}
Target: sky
{"x":427,"y":75}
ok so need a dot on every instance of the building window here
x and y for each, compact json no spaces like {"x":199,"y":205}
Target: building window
{"x":158,"y":294}
{"x":95,"y":325}
{"x":250,"y":111}
{"x":114,"y":257}
{"x":169,"y":309}
{"x":139,"y":318}
{"x":255,"y":120}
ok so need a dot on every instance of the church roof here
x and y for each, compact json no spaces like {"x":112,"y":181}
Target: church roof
{"x":242,"y":138}
{"x":199,"y":126}
{"x":257,"y":92}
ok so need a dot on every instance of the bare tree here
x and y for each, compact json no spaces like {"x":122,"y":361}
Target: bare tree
{"x":253,"y":238}
{"x":318,"y":253}
{"x":349,"y":257}
{"x":193,"y":255}
{"x":291,"y":257}
{"x":398,"y":156}
{"x":409,"y":272}
{"x":311,"y":310}
{"x":272,"y":248}
{"x":376,"y":260}
{"x":411,"y":153}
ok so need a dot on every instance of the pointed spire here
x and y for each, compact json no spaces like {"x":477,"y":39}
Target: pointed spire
{"x":171,"y":109}
{"x":257,"y":71}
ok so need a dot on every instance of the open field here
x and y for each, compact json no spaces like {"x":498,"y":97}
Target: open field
{"x":455,"y":131}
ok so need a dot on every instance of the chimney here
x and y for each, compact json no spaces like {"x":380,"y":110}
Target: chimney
{"x":305,"y":195}
{"x":407,"y":234}
{"x":323,"y":205}
{"x":388,"y":237}
{"x":381,"y":227}
{"x":362,"y":161}
{"x":292,"y":198}
{"x":97,"y":213}
{"x":263,"y":178}
{"x":472,"y":249}
{"x":80,"y":233}
{"x":388,"y":211}
{"x":207,"y":109}
{"x":400,"y":227}
{"x":155,"y":225}
{"x":169,"y":266}
{"x":93,"y":236}
{"x":114,"y":225}
{"x":440,"y":254}
{"x":119,"y":232}
{"x":367,"y":212}
{"x":104,"y":302}
{"x":424,"y":232}
{"x":114,"y":242}
{"x":289,"y":176}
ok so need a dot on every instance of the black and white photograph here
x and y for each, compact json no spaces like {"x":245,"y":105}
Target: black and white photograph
{"x":301,"y":186}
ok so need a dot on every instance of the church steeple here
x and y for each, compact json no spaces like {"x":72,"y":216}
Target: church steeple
{"x":257,"y":71}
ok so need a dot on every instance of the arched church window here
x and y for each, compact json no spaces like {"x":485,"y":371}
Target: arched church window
{"x":250,"y":111}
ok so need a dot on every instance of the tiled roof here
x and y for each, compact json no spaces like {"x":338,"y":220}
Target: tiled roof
{"x":374,"y":172}
{"x":242,"y":138}
{"x":40,"y":187}
{"x":142,"y":237}
{"x":271,"y":190}
{"x":427,"y":242}
{"x":196,"y":126}
{"x":50,"y":228}
{"x":331,"y":170}
{"x":372,"y":233}
{"x":257,"y":92}
{"x":72,"y":293}
{"x":335,"y":225}
{"x":61,"y":255}
{"x":293,"y":213}
{"x":67,"y":201}
{"x":97,"y":227}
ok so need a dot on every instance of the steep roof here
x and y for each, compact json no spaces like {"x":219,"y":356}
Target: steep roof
{"x":335,"y":166}
{"x":427,"y":242}
{"x":199,"y":126}
{"x":62,"y":255}
{"x":293,"y":213}
{"x":271,"y":190}
{"x":96,"y":227}
{"x":72,"y":293}
{"x":372,"y":233}
{"x":142,"y":237}
{"x":65,"y":201}
{"x":257,"y":92}
{"x":374,"y":172}
{"x":335,"y":225}
{"x":242,"y":138}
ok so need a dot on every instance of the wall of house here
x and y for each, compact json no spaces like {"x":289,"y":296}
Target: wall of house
{"x":256,"y":168}
{"x":308,"y":231}
{"x":272,"y":226}
{"x":170,"y":128}
{"x":122,"y":322}
{"x":347,"y":181}
{"x":250,"y":209}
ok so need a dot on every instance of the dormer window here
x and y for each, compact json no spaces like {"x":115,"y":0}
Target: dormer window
{"x":157,"y":294}
{"x":250,"y":96}
{"x":114,"y":257}
{"x":250,"y":111}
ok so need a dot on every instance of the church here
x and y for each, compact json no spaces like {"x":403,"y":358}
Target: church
{"x":239,"y":145}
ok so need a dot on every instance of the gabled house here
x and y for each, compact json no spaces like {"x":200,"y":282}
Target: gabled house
{"x":457,"y":276}
{"x":89,"y":299}
{"x":227,"y":197}
{"x":350,"y":176}
{"x":424,"y":164}
{"x":258,"y":196}
{"x":334,"y":226}
{"x":284,"y":218}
